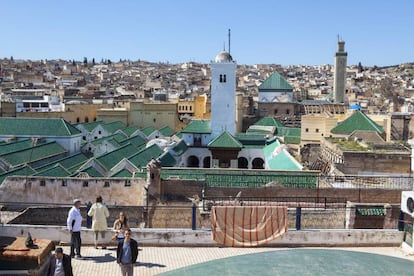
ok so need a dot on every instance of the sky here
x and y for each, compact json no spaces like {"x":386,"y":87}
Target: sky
{"x":376,"y":32}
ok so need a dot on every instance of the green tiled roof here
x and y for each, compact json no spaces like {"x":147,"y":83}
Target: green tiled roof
{"x":92,"y":172}
{"x":197,"y":126}
{"x":123,"y":173}
{"x":225,"y":140}
{"x":166,"y":131}
{"x":109,"y":160}
{"x":114,"y":126}
{"x":283,"y":161}
{"x":167,"y":160}
{"x":244,"y":178}
{"x":90,"y":126}
{"x":148,"y":130}
{"x":370,"y":211}
{"x":55,"y":171}
{"x":117,"y":137}
{"x":129,"y":130}
{"x":36,"y":127}
{"x":357,"y":121}
{"x":15,"y":146}
{"x":142,"y":158}
{"x":290,"y":135}
{"x":70,"y":163}
{"x":180,"y":148}
{"x":280,"y":159}
{"x":137,"y":141}
{"x":21,"y":171}
{"x":269,"y":121}
{"x":36,"y":153}
{"x":274,"y":83}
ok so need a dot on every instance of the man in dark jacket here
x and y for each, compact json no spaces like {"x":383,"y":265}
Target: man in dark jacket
{"x":127,"y":253}
{"x":59,"y":264}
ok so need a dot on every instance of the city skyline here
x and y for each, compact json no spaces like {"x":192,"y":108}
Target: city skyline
{"x":266,"y":32}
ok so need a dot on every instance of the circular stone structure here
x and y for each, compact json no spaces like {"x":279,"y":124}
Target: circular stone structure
{"x":302,"y":262}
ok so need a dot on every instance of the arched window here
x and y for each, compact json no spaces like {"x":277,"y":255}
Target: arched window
{"x":221,"y":78}
{"x":224,"y":78}
{"x":206,"y":162}
{"x":258,"y":163}
{"x":193,"y":162}
{"x":242,"y":163}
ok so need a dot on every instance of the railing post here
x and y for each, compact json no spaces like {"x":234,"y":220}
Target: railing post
{"x":401,"y":221}
{"x":193,"y":217}
{"x":298,"y":217}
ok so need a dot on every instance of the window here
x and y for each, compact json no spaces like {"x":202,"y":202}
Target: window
{"x":99,"y":132}
{"x":106,"y":184}
{"x":127,"y":183}
{"x":221,"y":78}
{"x":85,"y":184}
{"x":317,"y":130}
{"x":64,"y":183}
{"x":42,"y":183}
{"x":275,"y":111}
{"x":84,"y":138}
{"x":224,"y":78}
{"x":307,"y":130}
{"x":287,"y":111}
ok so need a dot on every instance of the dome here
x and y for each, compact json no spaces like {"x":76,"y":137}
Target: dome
{"x":223,"y":56}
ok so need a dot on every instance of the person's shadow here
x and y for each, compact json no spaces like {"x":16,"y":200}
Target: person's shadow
{"x":100,"y":259}
{"x":149,"y":265}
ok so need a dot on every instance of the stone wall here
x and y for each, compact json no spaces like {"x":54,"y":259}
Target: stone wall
{"x":114,"y":191}
{"x":57,"y":215}
{"x":182,"y":188}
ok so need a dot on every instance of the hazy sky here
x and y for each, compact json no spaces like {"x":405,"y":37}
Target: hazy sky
{"x":376,"y":32}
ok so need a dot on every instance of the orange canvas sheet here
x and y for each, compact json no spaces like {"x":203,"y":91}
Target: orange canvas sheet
{"x":246,"y":226}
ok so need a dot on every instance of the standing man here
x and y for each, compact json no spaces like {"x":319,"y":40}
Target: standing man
{"x":99,"y":213}
{"x":59,"y":264}
{"x":74,"y":224}
{"x":126,"y":254}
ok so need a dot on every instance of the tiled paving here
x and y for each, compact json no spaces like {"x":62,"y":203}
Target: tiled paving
{"x":155,"y":260}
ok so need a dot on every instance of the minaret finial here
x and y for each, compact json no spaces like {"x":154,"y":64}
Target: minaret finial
{"x":229,"y":41}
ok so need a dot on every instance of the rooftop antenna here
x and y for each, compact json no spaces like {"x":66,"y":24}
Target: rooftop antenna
{"x":338,"y":37}
{"x":224,"y":46}
{"x":229,"y":41}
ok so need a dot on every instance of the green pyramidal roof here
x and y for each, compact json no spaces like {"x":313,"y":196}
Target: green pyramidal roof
{"x":357,"y":121}
{"x":269,"y":121}
{"x":275,"y":82}
{"x":225,"y":140}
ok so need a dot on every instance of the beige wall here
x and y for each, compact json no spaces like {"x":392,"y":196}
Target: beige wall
{"x":22,"y":189}
{"x":73,"y":114}
{"x":315,"y":127}
{"x":113,"y":115}
{"x":156,"y":115}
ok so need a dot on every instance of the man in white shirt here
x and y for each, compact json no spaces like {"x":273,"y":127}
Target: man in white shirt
{"x":74,"y":224}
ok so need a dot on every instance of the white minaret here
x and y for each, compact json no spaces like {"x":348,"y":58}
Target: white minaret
{"x":223,"y":94}
{"x":340,"y":72}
